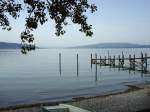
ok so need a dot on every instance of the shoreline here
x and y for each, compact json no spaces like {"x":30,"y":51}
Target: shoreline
{"x":134,"y":99}
{"x":36,"y":106}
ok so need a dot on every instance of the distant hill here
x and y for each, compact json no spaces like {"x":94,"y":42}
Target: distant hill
{"x":5,"y":45}
{"x":114,"y":45}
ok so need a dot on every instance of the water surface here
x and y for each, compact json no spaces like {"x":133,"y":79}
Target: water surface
{"x":36,"y":77}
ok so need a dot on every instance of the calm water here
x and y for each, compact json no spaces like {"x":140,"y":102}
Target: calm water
{"x":36,"y":77}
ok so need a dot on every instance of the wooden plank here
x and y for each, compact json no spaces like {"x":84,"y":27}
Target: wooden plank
{"x":118,"y":58}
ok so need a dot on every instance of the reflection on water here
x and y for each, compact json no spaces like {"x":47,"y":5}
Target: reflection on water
{"x":58,"y":74}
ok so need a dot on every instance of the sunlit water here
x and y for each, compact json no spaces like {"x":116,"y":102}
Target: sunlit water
{"x":36,"y":77}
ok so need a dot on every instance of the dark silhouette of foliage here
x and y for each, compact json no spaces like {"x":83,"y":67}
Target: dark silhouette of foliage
{"x":39,"y":11}
{"x":25,"y":48}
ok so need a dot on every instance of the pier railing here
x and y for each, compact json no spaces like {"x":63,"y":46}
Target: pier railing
{"x":131,"y":62}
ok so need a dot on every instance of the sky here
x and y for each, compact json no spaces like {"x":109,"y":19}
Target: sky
{"x":115,"y":21}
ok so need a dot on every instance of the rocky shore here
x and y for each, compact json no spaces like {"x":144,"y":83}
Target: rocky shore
{"x":135,"y":99}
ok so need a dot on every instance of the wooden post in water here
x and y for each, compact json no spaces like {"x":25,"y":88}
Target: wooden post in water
{"x":100,"y":61}
{"x":146,"y":61}
{"x":96,"y":68}
{"x":119,"y":64}
{"x":130,"y":60}
{"x":134,"y":62}
{"x":114,"y":61}
{"x":110,"y":61}
{"x":108,"y":58}
{"x":142,"y":61}
{"x":77,"y":65}
{"x":122,"y":60}
{"x":119,"y":60}
{"x":130,"y":63}
{"x":60,"y":63}
{"x":91,"y":61}
{"x":105,"y":61}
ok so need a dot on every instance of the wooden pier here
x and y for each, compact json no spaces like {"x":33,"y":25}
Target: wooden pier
{"x":129,"y":63}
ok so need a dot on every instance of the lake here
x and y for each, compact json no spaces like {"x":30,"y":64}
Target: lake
{"x":37,"y":77}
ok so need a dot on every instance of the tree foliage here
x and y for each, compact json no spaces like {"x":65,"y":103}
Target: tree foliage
{"x":40,"y":11}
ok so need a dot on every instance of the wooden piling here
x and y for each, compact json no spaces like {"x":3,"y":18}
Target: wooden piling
{"x":114,"y":61}
{"x":110,"y":61}
{"x":100,"y":61}
{"x":133,"y":63}
{"x":119,"y":60}
{"x":122,"y":59}
{"x":105,"y":61}
{"x":146,"y":60}
{"x":96,"y":68}
{"x":77,"y":65}
{"x":60,"y":63}
{"x":130,"y":61}
{"x":142,"y":61}
{"x":91,"y":61}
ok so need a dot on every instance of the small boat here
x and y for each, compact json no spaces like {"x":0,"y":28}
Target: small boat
{"x":62,"y":108}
